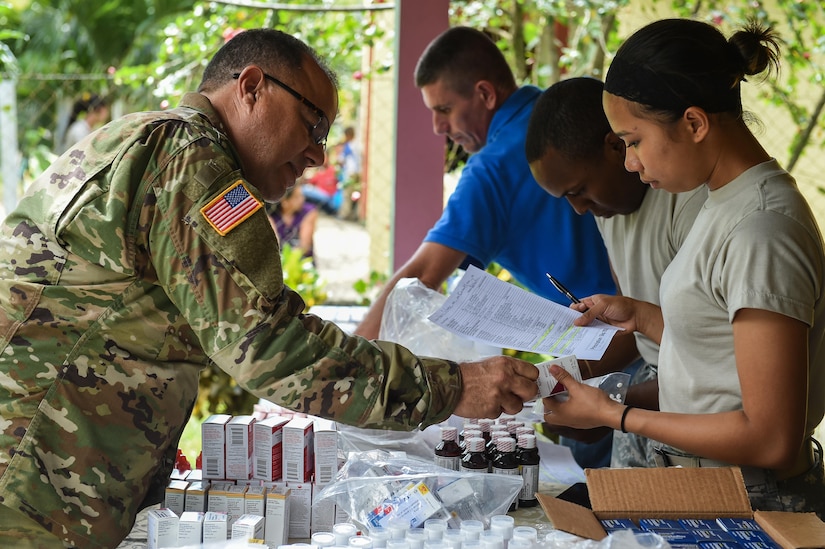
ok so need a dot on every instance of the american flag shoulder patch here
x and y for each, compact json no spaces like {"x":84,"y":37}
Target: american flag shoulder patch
{"x":227,"y":210}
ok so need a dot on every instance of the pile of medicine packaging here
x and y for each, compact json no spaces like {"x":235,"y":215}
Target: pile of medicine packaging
{"x":256,"y":481}
{"x":722,"y":533}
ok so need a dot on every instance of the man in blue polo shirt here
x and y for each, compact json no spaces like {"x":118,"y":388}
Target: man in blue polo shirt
{"x":497,"y":213}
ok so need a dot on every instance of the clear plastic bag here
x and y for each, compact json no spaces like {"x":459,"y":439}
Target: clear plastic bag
{"x":376,"y":487}
{"x":614,"y":384}
{"x":405,"y":321}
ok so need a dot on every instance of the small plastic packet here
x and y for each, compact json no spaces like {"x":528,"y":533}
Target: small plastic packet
{"x":614,"y":384}
{"x":377,"y":487}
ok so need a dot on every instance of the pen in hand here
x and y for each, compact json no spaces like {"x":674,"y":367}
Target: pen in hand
{"x":560,"y":287}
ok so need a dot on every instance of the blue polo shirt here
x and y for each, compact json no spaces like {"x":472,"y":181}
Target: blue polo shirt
{"x":498,"y":213}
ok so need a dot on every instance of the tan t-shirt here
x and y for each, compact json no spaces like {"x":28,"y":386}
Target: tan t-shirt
{"x":642,"y":244}
{"x":755,"y":244}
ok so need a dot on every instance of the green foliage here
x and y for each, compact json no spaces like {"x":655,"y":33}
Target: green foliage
{"x":301,"y":275}
{"x":546,"y":40}
{"x":801,"y":25}
{"x":368,"y":289}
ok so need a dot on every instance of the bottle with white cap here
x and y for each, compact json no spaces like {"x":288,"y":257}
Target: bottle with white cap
{"x":398,"y":528}
{"x":475,"y":458}
{"x":491,"y":540}
{"x":397,"y":544}
{"x":323,"y":539}
{"x":379,"y":536}
{"x":435,"y":528}
{"x":452,"y":539}
{"x":527,"y":456}
{"x":360,"y":542}
{"x":519,"y":543}
{"x":342,"y":532}
{"x":503,"y":526}
{"x":470,"y":530}
{"x":504,"y":461}
{"x":416,"y":538}
{"x":526,"y":532}
{"x":448,"y":452}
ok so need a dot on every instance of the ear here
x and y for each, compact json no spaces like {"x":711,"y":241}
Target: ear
{"x":613,"y":144}
{"x":697,"y":122}
{"x":487,"y":92}
{"x":249,"y":84}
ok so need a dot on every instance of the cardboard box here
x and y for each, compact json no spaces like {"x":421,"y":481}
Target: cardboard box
{"x":299,"y":455}
{"x":255,"y":501}
{"x":300,"y":509}
{"x":215,"y":526}
{"x":323,"y":512}
{"x":196,"y":495}
{"x":216,"y":499}
{"x":674,"y":493}
{"x":213,"y":446}
{"x":190,"y":528}
{"x":175,"y":497}
{"x":235,"y":503}
{"x":162,"y":528}
{"x":268,"y":444}
{"x":326,"y":454}
{"x":248,"y":527}
{"x":239,"y":447}
{"x":276,"y":531}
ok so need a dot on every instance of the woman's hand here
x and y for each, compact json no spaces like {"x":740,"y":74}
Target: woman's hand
{"x":624,"y":312}
{"x":585,"y":408}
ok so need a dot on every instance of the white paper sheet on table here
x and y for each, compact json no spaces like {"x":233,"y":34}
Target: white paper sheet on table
{"x":484,"y":308}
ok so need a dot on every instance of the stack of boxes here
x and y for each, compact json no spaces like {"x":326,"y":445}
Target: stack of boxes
{"x":256,"y":482}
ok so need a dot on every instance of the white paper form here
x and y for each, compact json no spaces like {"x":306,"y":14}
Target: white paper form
{"x":484,"y":308}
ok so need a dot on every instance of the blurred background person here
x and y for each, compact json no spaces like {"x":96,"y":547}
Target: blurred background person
{"x":349,"y":175}
{"x":90,"y":111}
{"x":294,"y":219}
{"x":321,"y":187}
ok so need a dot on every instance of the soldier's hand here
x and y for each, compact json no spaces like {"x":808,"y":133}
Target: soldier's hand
{"x":496,"y":385}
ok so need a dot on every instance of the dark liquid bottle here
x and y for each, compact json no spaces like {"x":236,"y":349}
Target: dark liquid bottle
{"x":447,"y":452}
{"x":527,"y":456}
{"x":475,"y":458}
{"x":492,"y":450}
{"x":486,"y":426}
{"x":468,"y":434}
{"x":505,"y":463}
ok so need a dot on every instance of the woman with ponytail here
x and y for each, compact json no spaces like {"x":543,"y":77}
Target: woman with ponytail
{"x":742,"y":315}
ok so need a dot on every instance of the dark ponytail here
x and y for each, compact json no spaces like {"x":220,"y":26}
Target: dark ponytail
{"x":672,"y":64}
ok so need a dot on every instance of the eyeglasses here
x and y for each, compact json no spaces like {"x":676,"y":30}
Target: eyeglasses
{"x":320,"y":130}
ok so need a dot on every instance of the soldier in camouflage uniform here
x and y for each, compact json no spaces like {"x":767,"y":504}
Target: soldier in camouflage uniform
{"x":144,"y":254}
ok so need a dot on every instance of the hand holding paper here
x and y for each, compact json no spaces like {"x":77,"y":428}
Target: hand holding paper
{"x":487,"y":309}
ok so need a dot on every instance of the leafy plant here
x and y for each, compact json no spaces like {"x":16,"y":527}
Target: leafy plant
{"x":301,"y":275}
{"x":368,"y":289}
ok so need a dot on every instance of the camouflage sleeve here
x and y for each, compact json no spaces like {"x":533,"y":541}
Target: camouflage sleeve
{"x":223,"y":273}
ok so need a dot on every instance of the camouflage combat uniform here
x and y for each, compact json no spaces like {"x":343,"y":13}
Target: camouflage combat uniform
{"x":116,"y":292}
